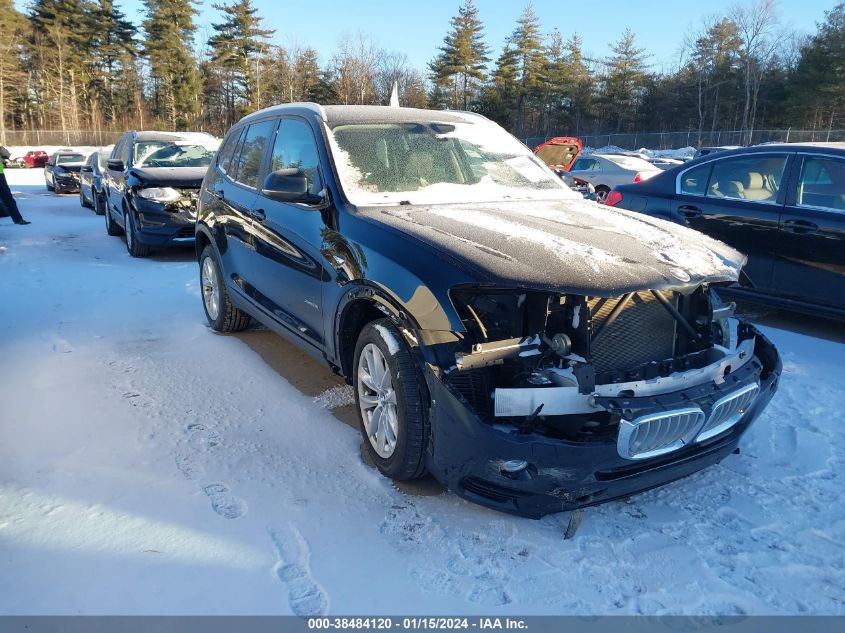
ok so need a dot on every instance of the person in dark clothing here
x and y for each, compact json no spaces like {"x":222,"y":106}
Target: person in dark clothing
{"x":6,"y":197}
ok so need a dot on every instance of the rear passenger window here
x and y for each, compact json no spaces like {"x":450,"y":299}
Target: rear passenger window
{"x":754,"y":178}
{"x":585,"y":164}
{"x":295,"y":149}
{"x":822,"y":183}
{"x":252,"y":150}
{"x":694,"y":181}
{"x":227,"y":152}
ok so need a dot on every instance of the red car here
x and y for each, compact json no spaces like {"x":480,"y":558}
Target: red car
{"x":36,"y":158}
{"x":559,"y":152}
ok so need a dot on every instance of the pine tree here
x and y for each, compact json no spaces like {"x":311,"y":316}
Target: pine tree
{"x":169,"y":33}
{"x":236,"y":46}
{"x":13,"y":26}
{"x":462,"y":61}
{"x":526,"y":45}
{"x":500,"y":96}
{"x":114,"y":49}
{"x":817,"y":85}
{"x":624,"y":83}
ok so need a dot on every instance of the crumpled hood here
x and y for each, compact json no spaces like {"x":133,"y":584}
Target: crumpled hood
{"x":568,"y":245}
{"x":184,"y":177}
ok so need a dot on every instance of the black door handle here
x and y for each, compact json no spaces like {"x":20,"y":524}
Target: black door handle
{"x":259,"y":214}
{"x":217,"y":192}
{"x":800,"y":226}
{"x":689,"y":211}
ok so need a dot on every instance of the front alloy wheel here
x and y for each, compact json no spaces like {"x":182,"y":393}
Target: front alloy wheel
{"x":390,"y":392}
{"x":210,"y":288}
{"x":133,"y":245}
{"x":377,"y":401}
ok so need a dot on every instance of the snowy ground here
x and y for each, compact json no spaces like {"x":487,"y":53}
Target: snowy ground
{"x":148,"y":465}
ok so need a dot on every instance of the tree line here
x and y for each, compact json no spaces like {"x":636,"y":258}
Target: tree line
{"x":82,"y":65}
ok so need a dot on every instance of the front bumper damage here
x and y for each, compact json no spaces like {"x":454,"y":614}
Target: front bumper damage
{"x":165,"y":224}
{"x":705,"y":411}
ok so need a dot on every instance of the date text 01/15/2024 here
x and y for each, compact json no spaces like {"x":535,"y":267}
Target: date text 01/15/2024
{"x":415,"y":623}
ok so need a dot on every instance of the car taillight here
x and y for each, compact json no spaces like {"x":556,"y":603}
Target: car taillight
{"x":638,"y":177}
{"x":613,"y":198}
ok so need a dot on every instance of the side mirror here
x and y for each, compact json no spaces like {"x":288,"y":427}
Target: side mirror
{"x":115,"y":164}
{"x":86,"y":169}
{"x":288,"y":185}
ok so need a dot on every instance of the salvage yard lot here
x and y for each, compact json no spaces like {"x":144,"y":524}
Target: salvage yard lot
{"x":151,"y":466}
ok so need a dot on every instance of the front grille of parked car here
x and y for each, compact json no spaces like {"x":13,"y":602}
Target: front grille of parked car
{"x":658,"y":433}
{"x":727,"y":411}
{"x":474,"y":386}
{"x":643,"y":332}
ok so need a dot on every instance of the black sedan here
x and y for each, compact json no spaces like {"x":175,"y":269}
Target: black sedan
{"x":91,"y":189}
{"x":152,"y":181}
{"x":783,"y":205}
{"x":61,"y":172}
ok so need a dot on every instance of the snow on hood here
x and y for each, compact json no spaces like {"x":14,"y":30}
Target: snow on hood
{"x":170,"y":176}
{"x":567,"y":245}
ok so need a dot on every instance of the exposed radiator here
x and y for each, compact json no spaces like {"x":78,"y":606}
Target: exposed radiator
{"x":643,"y":332}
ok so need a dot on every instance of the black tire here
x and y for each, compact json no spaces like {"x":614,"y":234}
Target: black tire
{"x":601,"y":193}
{"x":112,"y":227}
{"x":229,"y":318}
{"x":50,"y":187}
{"x":99,"y":203}
{"x":408,"y":458}
{"x":133,"y":245}
{"x":83,"y":202}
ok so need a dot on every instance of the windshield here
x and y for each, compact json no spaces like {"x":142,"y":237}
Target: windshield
{"x":173,"y":154}
{"x":432,"y":163}
{"x":64,"y":159}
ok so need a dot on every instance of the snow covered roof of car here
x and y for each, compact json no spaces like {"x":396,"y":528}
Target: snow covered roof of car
{"x":155,"y":135}
{"x":340,"y":114}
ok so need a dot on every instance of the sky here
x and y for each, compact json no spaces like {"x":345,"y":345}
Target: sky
{"x":417,"y":28}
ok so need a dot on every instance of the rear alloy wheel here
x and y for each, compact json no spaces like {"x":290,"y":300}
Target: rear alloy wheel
{"x":99,"y":204}
{"x":135,"y":247}
{"x":112,"y":227}
{"x":221,"y":313}
{"x":601,"y":194}
{"x":388,"y":391}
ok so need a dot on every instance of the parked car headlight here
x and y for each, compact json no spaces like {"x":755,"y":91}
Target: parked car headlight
{"x":160,"y":194}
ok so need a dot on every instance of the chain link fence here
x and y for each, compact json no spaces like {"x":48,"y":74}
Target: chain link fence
{"x":36,"y":138}
{"x":692,"y":138}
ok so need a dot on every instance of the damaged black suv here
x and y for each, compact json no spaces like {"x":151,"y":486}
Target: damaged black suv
{"x":151,"y":185}
{"x":533,"y":351}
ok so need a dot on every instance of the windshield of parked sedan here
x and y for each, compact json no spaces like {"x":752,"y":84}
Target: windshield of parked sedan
{"x":431,"y":163}
{"x":64,"y":159}
{"x":173,"y":154}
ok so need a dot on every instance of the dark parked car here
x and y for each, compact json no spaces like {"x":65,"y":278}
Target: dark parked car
{"x":92,"y":192}
{"x":783,"y":205}
{"x":61,"y":172}
{"x":533,"y":351}
{"x":35,"y":158}
{"x":152,"y":180}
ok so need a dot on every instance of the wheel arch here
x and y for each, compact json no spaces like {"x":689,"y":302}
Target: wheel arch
{"x":358,"y":307}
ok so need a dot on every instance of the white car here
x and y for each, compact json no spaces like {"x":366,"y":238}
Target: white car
{"x":606,"y":171}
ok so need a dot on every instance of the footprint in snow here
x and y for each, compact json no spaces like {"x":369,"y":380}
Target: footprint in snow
{"x":62,"y":347}
{"x":305,"y":596}
{"x":223,"y":502}
{"x":189,"y":467}
{"x":202,"y":434}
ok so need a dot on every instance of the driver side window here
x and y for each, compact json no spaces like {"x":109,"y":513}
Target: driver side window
{"x":295,"y":148}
